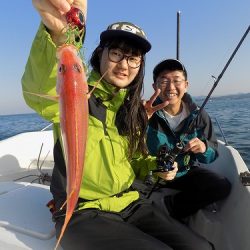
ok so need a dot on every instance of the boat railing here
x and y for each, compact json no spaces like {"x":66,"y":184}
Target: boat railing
{"x":221,"y":131}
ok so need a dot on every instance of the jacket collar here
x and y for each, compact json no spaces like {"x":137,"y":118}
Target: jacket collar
{"x":111,"y":96}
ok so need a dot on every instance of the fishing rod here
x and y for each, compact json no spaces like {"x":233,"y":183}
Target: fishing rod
{"x":165,"y":158}
{"x":216,"y":82}
{"x":179,"y":146}
{"x":178,"y":36}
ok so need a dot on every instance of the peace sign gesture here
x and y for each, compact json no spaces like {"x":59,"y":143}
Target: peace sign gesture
{"x":148,"y":105}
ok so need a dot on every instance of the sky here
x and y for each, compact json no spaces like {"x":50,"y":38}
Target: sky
{"x":209,"y":33}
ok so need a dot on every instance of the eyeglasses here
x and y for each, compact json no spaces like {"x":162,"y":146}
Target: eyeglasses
{"x":116,"y":55}
{"x":164,"y":82}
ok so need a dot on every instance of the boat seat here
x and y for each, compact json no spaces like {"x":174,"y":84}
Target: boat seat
{"x":26,"y":219}
{"x":206,"y":222}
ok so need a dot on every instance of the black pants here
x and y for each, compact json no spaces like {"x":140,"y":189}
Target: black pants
{"x":198,"y":188}
{"x":142,"y":227}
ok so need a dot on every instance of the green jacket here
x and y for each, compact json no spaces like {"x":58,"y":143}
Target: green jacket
{"x":107,"y":170}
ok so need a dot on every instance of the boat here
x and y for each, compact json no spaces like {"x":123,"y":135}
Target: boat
{"x":26,"y":164}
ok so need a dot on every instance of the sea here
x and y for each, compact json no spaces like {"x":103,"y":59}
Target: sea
{"x":230,"y":115}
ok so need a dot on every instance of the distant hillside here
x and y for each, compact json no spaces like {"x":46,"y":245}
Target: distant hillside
{"x":233,"y":96}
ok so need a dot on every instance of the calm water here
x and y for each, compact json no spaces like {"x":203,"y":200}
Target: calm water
{"x":232,"y":113}
{"x":15,"y":124}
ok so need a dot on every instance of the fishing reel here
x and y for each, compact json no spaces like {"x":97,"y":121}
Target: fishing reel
{"x":165,"y":162}
{"x":166,"y":158}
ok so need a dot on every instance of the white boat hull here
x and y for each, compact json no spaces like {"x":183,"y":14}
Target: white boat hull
{"x":25,"y":221}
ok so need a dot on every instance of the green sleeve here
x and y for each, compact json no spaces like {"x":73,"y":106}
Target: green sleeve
{"x":142,"y":165}
{"x":40,"y":76}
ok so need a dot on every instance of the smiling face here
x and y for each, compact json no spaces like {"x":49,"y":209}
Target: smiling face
{"x":119,"y":74}
{"x":173,"y":86}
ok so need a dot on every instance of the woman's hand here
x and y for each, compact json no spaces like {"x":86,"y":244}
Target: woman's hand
{"x":53,"y":13}
{"x":169,"y":175}
{"x":148,"y":105}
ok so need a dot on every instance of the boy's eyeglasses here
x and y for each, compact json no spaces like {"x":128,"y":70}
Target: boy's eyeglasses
{"x":164,"y":82}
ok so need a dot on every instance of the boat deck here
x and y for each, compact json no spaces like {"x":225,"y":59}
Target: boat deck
{"x":31,"y":227}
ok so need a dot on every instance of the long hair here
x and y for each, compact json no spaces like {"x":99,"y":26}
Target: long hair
{"x":131,"y":118}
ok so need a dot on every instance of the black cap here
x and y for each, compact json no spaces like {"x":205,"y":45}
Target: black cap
{"x":168,"y":64}
{"x":126,"y":30}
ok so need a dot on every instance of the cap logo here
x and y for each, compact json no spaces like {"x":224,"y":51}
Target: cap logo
{"x":127,"y":27}
{"x":129,"y":32}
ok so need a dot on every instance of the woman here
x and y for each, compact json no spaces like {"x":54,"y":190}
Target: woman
{"x":112,"y":210}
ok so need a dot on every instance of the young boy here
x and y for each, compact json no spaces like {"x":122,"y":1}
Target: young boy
{"x":198,"y":186}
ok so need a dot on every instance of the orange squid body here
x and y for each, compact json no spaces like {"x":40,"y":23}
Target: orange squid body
{"x":72,"y":90}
